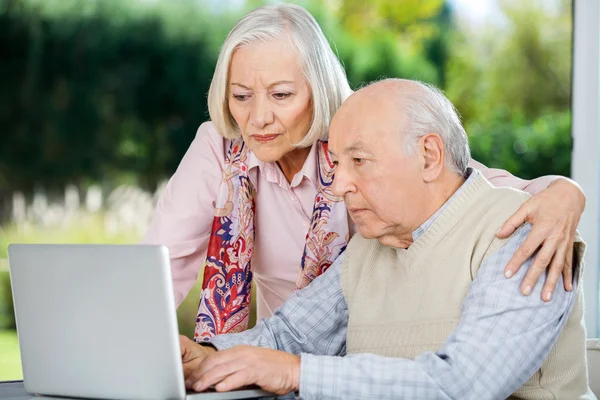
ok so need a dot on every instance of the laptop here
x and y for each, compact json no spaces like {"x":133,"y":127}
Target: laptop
{"x":99,"y":321}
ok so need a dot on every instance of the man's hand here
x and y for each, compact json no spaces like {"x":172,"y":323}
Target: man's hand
{"x":554,"y":214}
{"x":192,"y":355}
{"x":274,"y":371}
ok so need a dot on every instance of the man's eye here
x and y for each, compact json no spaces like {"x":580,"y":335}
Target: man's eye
{"x":281,"y":96}
{"x":357,"y":160}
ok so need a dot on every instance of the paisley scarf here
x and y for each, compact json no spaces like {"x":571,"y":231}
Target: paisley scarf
{"x":227,"y":282}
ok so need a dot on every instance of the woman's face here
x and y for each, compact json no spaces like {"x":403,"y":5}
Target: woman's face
{"x":269,"y":98}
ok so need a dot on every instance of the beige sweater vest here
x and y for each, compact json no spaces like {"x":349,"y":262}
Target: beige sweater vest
{"x":403,"y":302}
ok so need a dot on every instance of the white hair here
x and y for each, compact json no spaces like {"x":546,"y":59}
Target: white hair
{"x":429,"y":111}
{"x":322,"y":69}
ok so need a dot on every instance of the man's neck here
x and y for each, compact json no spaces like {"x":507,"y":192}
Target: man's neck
{"x":436,"y":195}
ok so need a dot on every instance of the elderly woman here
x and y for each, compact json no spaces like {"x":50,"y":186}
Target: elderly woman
{"x":251,"y":197}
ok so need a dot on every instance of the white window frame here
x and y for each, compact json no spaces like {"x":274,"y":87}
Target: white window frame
{"x":585,"y":164}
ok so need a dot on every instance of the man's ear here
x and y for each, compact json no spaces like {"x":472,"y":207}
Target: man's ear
{"x":433,"y":153}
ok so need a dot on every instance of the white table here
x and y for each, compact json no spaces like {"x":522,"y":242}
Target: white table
{"x":14,"y":390}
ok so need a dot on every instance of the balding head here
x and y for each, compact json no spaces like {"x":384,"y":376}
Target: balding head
{"x":415,"y":109}
{"x":401,"y":152}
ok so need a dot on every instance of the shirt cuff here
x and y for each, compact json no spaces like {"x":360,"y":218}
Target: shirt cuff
{"x":319,"y":376}
{"x":221,"y":342}
{"x":208,"y":344}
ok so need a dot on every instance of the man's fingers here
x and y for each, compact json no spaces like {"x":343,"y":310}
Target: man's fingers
{"x":540,"y":262}
{"x":191,"y":350}
{"x":514,"y":222}
{"x":185,"y":346}
{"x":202,"y":368}
{"x":218,"y":362}
{"x":222,"y":357}
{"x":235,"y":381}
{"x":190,"y":367}
{"x":529,"y":246}
{"x":213,"y":376}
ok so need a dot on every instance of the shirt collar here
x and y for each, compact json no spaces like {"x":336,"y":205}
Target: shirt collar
{"x":417,"y":233}
{"x":309,"y":169}
{"x":273,"y":173}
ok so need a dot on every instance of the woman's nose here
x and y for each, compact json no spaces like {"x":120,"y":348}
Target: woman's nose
{"x":261,"y":114}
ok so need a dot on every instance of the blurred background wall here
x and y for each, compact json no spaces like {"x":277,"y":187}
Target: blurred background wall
{"x":99,"y":100}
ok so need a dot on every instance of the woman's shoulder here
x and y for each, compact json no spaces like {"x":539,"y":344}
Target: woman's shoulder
{"x":207,"y":150}
{"x":207,"y":132}
{"x":209,"y":136}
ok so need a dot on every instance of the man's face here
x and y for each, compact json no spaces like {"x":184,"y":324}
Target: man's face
{"x":380,"y":184}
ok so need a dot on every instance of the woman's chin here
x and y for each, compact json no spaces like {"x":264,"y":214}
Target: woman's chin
{"x":265,"y":154}
{"x":270,"y":151}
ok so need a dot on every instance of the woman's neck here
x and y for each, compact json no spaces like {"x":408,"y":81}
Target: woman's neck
{"x":291,"y":163}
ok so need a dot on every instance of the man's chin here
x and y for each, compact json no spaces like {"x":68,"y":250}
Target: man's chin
{"x":365,"y":232}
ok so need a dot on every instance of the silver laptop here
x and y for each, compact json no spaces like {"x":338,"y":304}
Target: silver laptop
{"x":99,"y":321}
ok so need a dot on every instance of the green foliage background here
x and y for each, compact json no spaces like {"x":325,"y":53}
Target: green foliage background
{"x":114,"y":90}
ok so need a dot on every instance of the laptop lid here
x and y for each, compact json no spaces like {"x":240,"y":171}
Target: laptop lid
{"x":96,"y":321}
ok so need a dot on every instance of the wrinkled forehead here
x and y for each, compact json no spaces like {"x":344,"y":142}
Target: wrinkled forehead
{"x":362,"y":143}
{"x":364,"y":128}
{"x":271,"y":56}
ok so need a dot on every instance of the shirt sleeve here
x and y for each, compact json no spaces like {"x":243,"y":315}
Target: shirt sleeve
{"x":502,"y":338}
{"x":184,"y":213}
{"x":312,"y":320}
{"x":501,"y":178}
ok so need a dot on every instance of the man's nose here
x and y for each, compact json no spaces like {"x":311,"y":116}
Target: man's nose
{"x":341,"y":183}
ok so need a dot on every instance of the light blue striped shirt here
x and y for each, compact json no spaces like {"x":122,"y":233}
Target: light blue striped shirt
{"x":502,"y":338}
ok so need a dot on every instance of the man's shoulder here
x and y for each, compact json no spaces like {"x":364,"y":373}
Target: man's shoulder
{"x":510,"y":194}
{"x":500,"y":203}
{"x":504,"y":195}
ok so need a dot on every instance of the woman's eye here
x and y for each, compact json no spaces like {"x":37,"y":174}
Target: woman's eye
{"x":358,"y":160}
{"x":241,"y":97}
{"x":281,"y":96}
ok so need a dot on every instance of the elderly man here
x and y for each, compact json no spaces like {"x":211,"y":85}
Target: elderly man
{"x":417,"y":306}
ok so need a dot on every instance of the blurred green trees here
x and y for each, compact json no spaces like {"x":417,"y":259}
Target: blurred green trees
{"x":87,"y":97}
{"x":512,"y":85}
{"x":109,"y":90}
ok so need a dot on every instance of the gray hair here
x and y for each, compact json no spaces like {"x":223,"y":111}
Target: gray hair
{"x":322,"y":69}
{"x":428,"y":110}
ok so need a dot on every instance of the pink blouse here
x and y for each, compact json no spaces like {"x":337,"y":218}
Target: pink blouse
{"x":185,"y":211}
